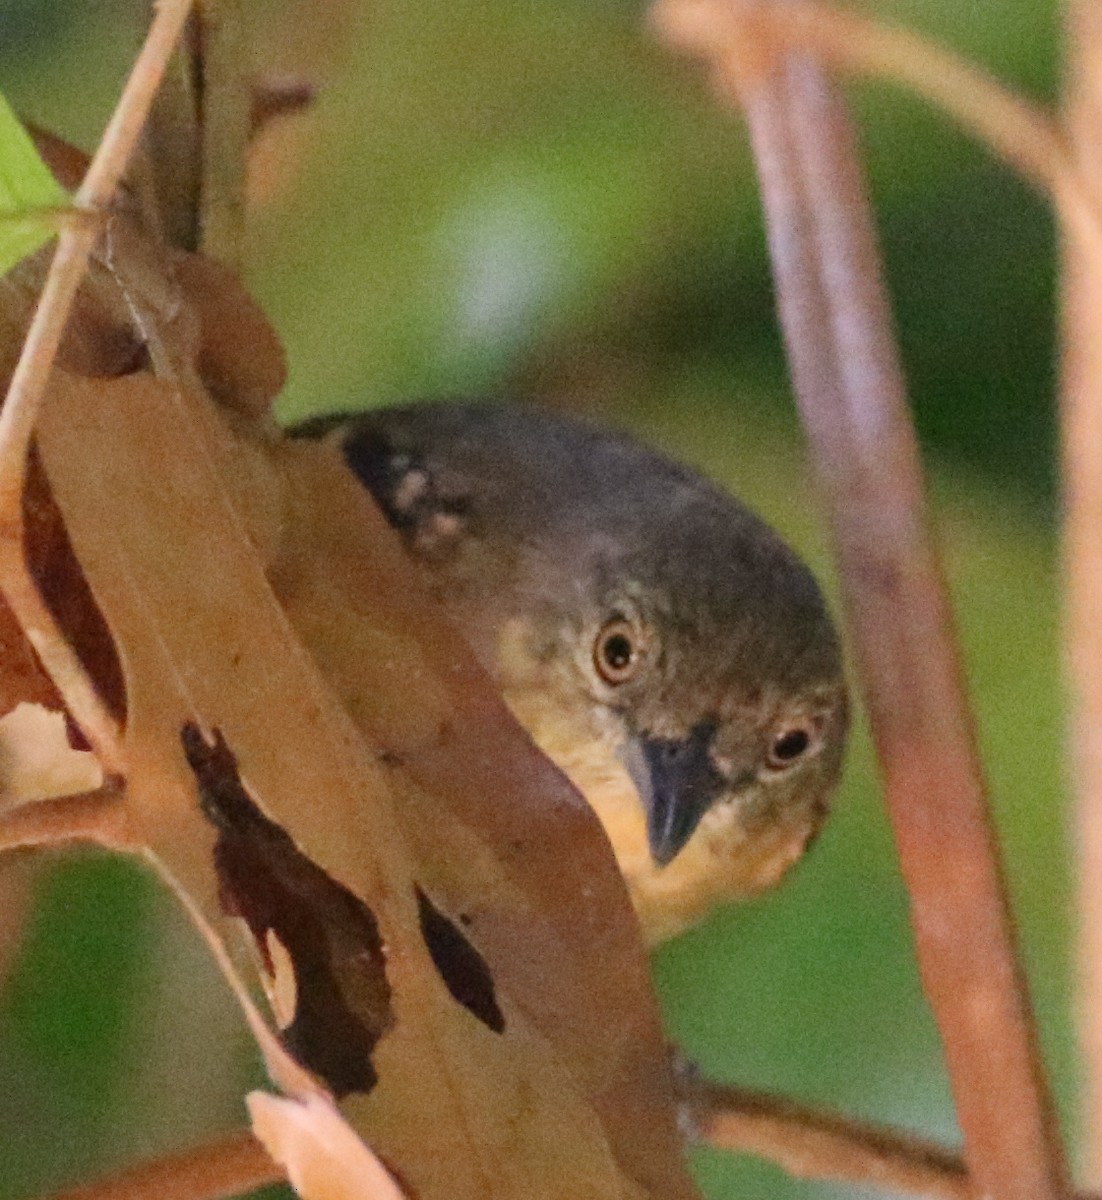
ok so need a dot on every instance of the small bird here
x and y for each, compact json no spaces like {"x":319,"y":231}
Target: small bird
{"x":659,"y":641}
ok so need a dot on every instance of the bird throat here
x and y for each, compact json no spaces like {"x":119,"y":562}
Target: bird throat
{"x":722,"y":861}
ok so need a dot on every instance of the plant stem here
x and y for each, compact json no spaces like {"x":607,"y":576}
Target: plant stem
{"x":1081,"y":403}
{"x":225,"y":105}
{"x":98,"y":817}
{"x":32,"y":373}
{"x":236,"y":1164}
{"x":812,"y":1143}
{"x":851,"y":394}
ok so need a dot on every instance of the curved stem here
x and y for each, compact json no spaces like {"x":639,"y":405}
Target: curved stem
{"x":236,"y":1164}
{"x":32,"y":373}
{"x":850,"y":389}
{"x":98,"y":817}
{"x":813,"y":1143}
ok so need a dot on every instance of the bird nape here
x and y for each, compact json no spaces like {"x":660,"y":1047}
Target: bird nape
{"x":658,"y":640}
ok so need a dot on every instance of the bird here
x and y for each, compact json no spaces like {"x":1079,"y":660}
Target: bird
{"x":658,"y":640}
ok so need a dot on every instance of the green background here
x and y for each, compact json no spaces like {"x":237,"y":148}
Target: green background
{"x":535,"y":200}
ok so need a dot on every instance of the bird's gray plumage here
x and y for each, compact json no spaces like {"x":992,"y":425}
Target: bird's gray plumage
{"x":542,"y":527}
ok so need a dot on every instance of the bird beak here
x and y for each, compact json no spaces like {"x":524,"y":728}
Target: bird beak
{"x":677,"y":783}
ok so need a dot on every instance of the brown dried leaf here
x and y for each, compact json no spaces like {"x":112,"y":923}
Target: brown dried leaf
{"x":241,"y":360}
{"x":66,"y":161}
{"x":507,"y":846}
{"x":573,"y":1090}
{"x":439,"y":921}
{"x":99,"y":339}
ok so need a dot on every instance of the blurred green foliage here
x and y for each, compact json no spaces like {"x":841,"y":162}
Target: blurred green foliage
{"x":27,"y":192}
{"x":534,"y":199}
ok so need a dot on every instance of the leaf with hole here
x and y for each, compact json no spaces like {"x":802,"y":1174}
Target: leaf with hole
{"x":316,"y":764}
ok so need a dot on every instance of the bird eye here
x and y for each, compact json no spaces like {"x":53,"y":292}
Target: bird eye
{"x":789,"y":745}
{"x":618,"y":651}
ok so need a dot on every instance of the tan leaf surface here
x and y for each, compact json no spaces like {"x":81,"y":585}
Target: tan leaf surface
{"x":294,"y":825}
{"x":504,"y":840}
{"x":358,"y":826}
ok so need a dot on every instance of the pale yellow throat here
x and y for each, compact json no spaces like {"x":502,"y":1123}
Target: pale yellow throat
{"x":723,"y":860}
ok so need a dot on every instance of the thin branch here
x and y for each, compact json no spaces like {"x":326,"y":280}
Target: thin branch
{"x":815,"y":1143}
{"x":17,"y":892}
{"x":806,"y":1142}
{"x":1017,"y":130}
{"x":1081,"y":405}
{"x":1020,"y":132}
{"x":225,"y":108}
{"x":236,"y":1164}
{"x":98,"y":817}
{"x":32,"y":372}
{"x":273,"y":96}
{"x":28,"y":384}
{"x":812,"y":1143}
{"x":852,"y":398}
{"x":167,"y":164}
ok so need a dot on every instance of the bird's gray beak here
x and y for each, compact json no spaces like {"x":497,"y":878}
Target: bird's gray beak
{"x":677,"y":783}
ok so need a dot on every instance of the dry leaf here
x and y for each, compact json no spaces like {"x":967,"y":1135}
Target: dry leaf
{"x":241,"y":360}
{"x":300,"y":835}
{"x":512,"y":851}
{"x":99,"y":339}
{"x":434,"y":909}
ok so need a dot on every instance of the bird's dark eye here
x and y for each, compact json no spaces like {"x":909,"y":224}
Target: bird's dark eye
{"x":789,"y":744}
{"x":618,"y":651}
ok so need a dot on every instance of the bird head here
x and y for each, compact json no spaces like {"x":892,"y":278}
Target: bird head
{"x":657,"y":639}
{"x":697,"y":651}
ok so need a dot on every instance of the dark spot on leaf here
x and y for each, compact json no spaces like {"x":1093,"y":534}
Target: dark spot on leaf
{"x":60,"y":581}
{"x":342,"y":992}
{"x":463,"y":970}
{"x":131,"y":356}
